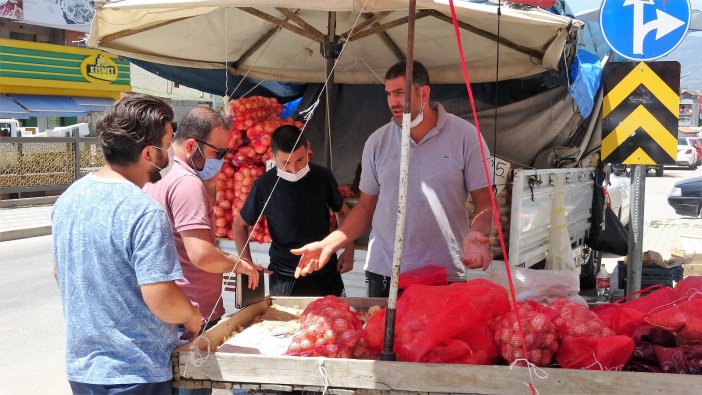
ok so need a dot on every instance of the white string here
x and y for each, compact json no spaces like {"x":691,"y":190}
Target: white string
{"x":307,"y":113}
{"x":565,"y":63}
{"x":596,"y":363}
{"x":226,"y":58}
{"x":195,"y":355}
{"x":255,"y":62}
{"x":323,"y":372}
{"x":602,"y":368}
{"x":537,"y":371}
{"x":676,"y":301}
{"x":355,"y":62}
{"x":198,"y":358}
{"x":372,"y":71}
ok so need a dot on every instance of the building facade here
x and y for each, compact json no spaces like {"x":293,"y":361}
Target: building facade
{"x":48,"y":78}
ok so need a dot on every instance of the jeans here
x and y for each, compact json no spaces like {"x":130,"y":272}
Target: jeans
{"x":318,"y":285}
{"x":163,"y":388}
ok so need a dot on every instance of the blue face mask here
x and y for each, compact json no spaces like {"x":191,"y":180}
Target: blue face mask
{"x":211,"y":168}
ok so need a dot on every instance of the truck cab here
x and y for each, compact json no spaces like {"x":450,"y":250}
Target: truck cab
{"x":10,"y":127}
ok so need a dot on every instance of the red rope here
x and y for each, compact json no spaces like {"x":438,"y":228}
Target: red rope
{"x":493,"y":201}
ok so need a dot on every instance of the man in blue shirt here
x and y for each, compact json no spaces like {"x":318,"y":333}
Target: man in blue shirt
{"x":115,"y":261}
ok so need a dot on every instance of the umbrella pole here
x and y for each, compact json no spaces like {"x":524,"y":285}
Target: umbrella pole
{"x":388,"y":353}
{"x":330,"y":51}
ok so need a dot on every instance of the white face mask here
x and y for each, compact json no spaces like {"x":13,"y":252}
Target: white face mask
{"x":293,"y":177}
{"x":420,"y":117}
{"x":169,"y":166}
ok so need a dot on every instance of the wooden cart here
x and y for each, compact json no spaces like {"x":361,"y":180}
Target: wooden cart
{"x":345,"y":376}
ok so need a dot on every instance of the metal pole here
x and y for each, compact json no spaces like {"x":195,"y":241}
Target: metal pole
{"x":76,"y":154}
{"x":633,"y":270}
{"x":388,"y":353}
{"x":330,"y":56}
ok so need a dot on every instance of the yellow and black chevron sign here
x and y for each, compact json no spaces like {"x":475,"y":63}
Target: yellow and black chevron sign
{"x":640,"y":112}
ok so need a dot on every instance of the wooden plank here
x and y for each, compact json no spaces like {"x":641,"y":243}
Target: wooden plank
{"x":492,"y":37}
{"x":301,"y":22}
{"x":286,"y":25}
{"x":387,"y":26}
{"x":223,"y":330}
{"x":257,"y":372}
{"x":404,"y":376}
{"x":276,"y":387}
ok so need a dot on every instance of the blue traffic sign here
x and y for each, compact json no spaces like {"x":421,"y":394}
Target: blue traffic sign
{"x":644,"y":29}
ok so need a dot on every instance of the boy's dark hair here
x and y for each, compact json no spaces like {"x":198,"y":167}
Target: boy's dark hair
{"x":285,"y":137}
{"x":198,"y":124}
{"x":420,"y":75}
{"x":129,"y":125}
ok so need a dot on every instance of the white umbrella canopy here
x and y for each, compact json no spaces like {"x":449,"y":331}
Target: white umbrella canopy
{"x":281,"y":40}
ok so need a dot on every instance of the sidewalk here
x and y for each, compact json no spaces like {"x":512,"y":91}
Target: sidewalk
{"x":23,"y":222}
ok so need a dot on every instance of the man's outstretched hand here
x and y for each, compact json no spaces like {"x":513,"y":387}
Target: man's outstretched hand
{"x":313,"y":257}
{"x":475,"y":251}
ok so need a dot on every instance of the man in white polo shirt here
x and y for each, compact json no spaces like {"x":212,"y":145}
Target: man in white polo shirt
{"x":445,"y":167}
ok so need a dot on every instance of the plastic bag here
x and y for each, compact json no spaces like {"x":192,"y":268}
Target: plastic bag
{"x":607,"y":234}
{"x":560,"y":254}
{"x":542,"y":286}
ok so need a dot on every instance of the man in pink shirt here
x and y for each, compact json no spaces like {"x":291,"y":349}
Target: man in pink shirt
{"x":199,"y":147}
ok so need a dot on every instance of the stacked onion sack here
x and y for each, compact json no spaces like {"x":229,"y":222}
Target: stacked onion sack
{"x":254,"y":119}
{"x":328,"y":328}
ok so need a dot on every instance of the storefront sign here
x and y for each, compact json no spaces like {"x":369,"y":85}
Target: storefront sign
{"x":47,"y":69}
{"x":99,"y":68}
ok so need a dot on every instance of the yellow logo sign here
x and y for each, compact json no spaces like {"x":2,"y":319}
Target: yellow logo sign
{"x":640,"y":112}
{"x":99,"y":68}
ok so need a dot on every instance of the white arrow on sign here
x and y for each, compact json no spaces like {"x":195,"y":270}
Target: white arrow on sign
{"x":663,"y":24}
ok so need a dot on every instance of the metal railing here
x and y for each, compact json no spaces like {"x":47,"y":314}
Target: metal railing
{"x":35,"y":164}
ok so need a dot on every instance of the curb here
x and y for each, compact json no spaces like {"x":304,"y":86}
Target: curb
{"x":25,"y":233}
{"x":28,"y":202}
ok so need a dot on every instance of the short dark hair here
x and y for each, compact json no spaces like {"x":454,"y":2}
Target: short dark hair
{"x":285,"y":137}
{"x":198,"y":124}
{"x":129,"y":125}
{"x":420,"y":75}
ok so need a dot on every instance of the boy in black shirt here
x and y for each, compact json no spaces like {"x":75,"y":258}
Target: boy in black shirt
{"x":301,"y":194}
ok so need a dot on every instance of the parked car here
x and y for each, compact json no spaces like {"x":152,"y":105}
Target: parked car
{"x":698,"y":146}
{"x":686,"y":197}
{"x":687,"y":153}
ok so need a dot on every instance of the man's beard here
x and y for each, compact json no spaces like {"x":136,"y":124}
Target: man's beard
{"x":155,"y":174}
